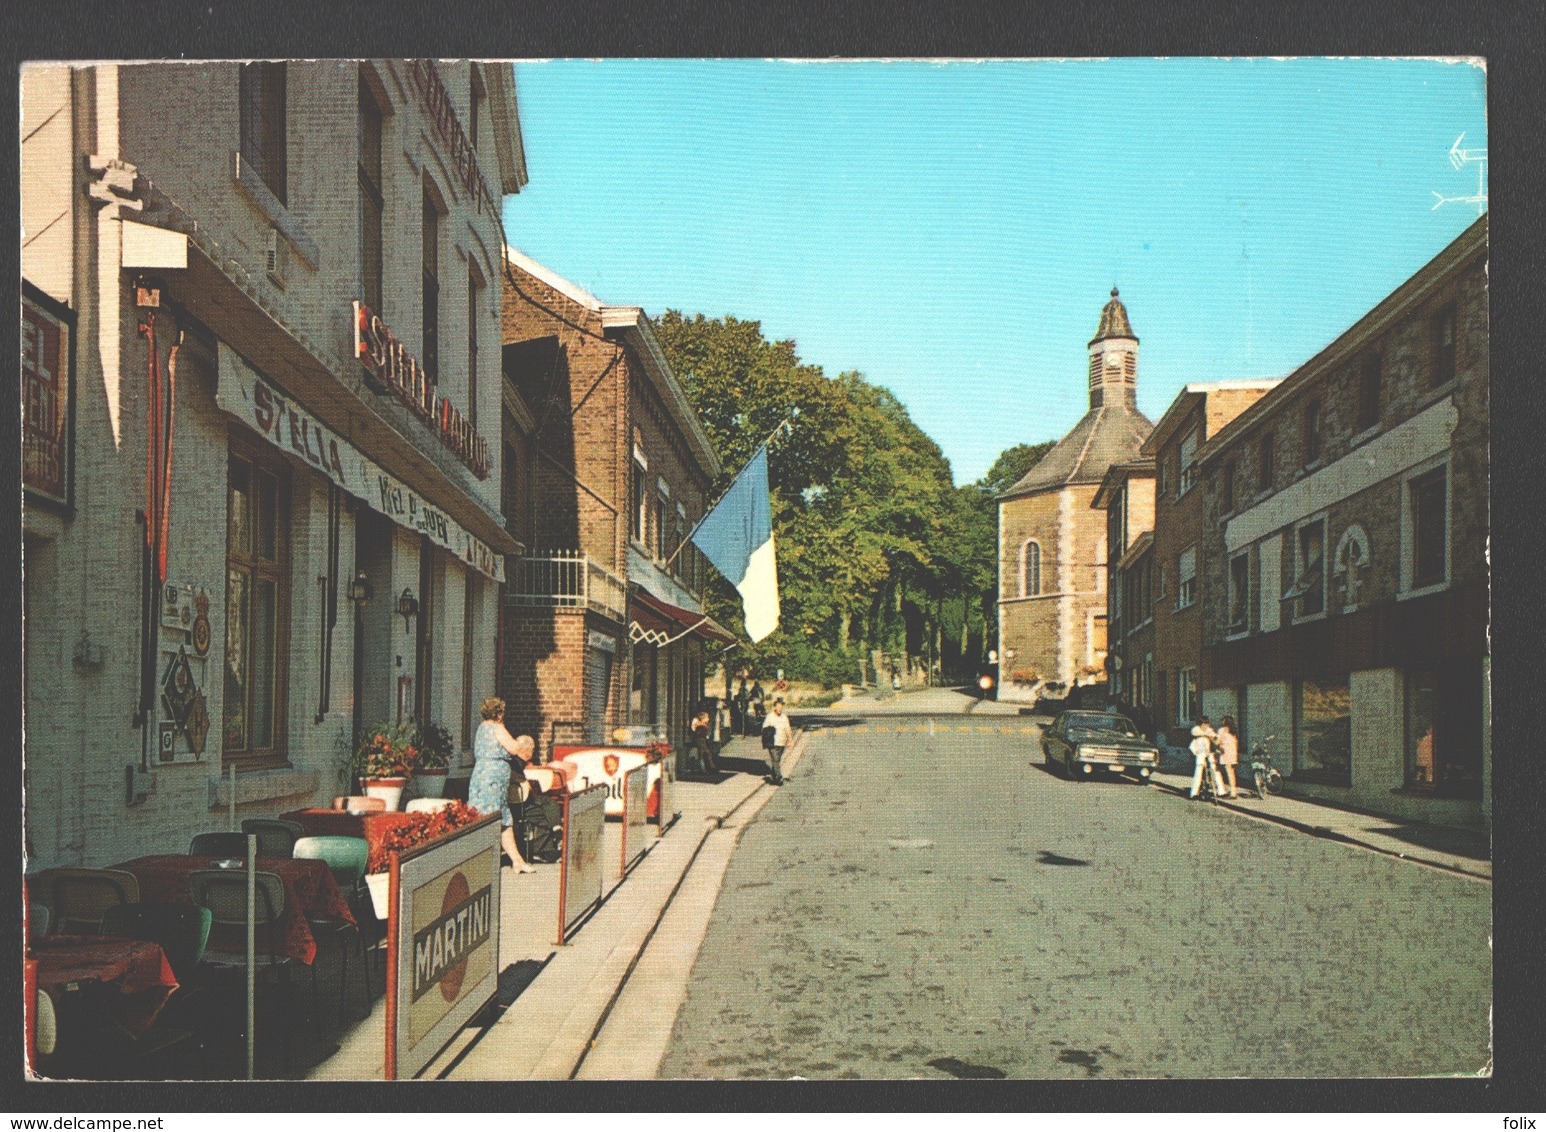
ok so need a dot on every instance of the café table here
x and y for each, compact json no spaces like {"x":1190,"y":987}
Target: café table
{"x":311,"y":893}
{"x":136,"y":971}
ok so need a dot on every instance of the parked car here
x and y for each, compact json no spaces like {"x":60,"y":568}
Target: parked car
{"x":1085,"y":743}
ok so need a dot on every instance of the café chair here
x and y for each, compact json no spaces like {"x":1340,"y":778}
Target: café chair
{"x":346,"y":857}
{"x":224,"y":893}
{"x":360,"y":803}
{"x":276,"y":837}
{"x":231,"y":846}
{"x":428,"y":805}
{"x":181,"y":931}
{"x":77,"y":898}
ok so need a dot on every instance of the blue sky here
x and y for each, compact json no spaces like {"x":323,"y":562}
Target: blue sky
{"x":951,"y":230}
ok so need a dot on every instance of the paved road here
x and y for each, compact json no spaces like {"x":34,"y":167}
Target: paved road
{"x":915,"y":905}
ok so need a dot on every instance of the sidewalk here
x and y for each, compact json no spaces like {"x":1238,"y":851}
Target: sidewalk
{"x":1459,"y":850}
{"x":555,"y":999}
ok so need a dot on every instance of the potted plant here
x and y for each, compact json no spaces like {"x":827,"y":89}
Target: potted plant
{"x":429,"y":773}
{"x":412,"y":831}
{"x":385,"y":760}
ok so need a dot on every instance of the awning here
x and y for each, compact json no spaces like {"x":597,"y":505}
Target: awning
{"x":658,"y":621}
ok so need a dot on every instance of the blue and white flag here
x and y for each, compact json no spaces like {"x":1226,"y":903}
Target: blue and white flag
{"x":737,"y":537}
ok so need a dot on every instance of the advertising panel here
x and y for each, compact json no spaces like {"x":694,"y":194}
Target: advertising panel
{"x":636,"y":800}
{"x":664,"y":790}
{"x":580,"y":879}
{"x":444,"y":946}
{"x":47,"y":398}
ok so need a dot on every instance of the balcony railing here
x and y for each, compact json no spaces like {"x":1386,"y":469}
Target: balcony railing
{"x":566,"y":579}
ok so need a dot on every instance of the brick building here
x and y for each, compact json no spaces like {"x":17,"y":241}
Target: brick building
{"x":260,"y":333}
{"x":1052,"y":545}
{"x":1198,"y":411}
{"x":1344,"y":556}
{"x":1126,"y":495}
{"x":603,"y":616}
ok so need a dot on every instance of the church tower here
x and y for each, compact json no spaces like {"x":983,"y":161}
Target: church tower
{"x":1114,"y":359}
{"x":1052,"y":560}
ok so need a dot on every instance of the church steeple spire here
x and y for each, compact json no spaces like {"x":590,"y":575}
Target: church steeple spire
{"x":1114,"y":358}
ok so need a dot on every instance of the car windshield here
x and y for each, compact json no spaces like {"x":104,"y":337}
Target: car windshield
{"x":1094,"y":722}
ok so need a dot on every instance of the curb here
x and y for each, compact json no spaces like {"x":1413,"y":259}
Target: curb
{"x":1327,"y":834}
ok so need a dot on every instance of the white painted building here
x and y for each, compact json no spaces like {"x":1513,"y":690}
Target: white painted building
{"x":262,"y":308}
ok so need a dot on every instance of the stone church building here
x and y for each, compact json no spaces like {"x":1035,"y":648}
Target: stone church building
{"x":1052,"y":542}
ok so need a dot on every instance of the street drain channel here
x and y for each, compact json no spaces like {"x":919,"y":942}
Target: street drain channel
{"x":965,"y":1070}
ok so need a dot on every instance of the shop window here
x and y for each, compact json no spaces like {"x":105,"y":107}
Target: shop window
{"x":1186,"y":578}
{"x":471,"y":696}
{"x":1309,"y":589}
{"x":1369,"y":393}
{"x":257,"y":586}
{"x":1428,"y":506}
{"x":1323,"y":730}
{"x":1444,"y":731}
{"x":261,"y":98}
{"x":1312,"y":432}
{"x":372,"y":202}
{"x":1186,"y":696}
{"x":1239,"y":592}
{"x":1443,"y":346}
{"x":1030,"y":568}
{"x":1264,"y":455}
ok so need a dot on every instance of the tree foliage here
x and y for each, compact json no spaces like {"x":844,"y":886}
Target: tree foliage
{"x":874,"y":542}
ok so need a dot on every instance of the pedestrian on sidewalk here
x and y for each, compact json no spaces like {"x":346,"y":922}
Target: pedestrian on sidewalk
{"x":776,"y":736}
{"x":1229,"y":752}
{"x":702,"y":745}
{"x":496,"y":754}
{"x":1203,"y":737}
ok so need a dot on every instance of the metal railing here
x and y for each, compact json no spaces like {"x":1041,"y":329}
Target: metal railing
{"x":566,"y":579}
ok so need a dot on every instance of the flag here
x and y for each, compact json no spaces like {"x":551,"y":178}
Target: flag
{"x":737,"y":537}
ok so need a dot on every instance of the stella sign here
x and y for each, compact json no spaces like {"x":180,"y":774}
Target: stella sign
{"x":395,"y":369}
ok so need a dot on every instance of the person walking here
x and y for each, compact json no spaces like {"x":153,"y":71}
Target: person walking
{"x":743,"y":699}
{"x":496,"y":753}
{"x":702,"y":745}
{"x":1203,"y":736}
{"x":776,"y":736}
{"x":1229,"y":752}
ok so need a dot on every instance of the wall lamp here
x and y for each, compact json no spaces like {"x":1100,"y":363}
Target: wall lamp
{"x":407,"y":607}
{"x":360,"y":590}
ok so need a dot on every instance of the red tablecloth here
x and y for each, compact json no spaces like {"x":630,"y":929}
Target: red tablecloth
{"x":138,"y":969}
{"x":341,"y":823}
{"x":310,"y":892}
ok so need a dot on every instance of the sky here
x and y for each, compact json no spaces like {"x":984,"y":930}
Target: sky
{"x":951,"y":230}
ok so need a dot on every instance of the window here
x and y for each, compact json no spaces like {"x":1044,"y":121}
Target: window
{"x":1430,"y":529}
{"x":640,"y":516}
{"x":474,"y":302}
{"x":1159,"y":476}
{"x":679,"y":536}
{"x":371,"y":201}
{"x":1186,"y":695}
{"x":1186,"y":578}
{"x":1444,"y":730}
{"x":1312,"y":432}
{"x":1443,"y":347}
{"x":474,"y":111}
{"x":1323,"y":730}
{"x":509,"y":488}
{"x":257,"y":583}
{"x":1227,"y":488}
{"x":431,"y":257}
{"x":1030,"y":568}
{"x":1264,"y":463}
{"x":1188,"y":475}
{"x":1309,"y":588}
{"x":1369,"y":393}
{"x":1239,"y":593}
{"x":658,"y":533}
{"x":261,"y":98}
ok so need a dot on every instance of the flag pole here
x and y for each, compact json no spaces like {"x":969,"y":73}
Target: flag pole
{"x":786,"y":425}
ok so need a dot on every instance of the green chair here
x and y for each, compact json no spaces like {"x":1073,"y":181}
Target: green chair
{"x":346,"y":857}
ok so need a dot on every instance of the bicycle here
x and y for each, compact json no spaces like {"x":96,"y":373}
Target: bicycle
{"x":1267,"y":778}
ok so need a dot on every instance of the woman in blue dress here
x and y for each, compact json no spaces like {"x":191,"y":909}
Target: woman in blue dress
{"x":495,"y":754}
